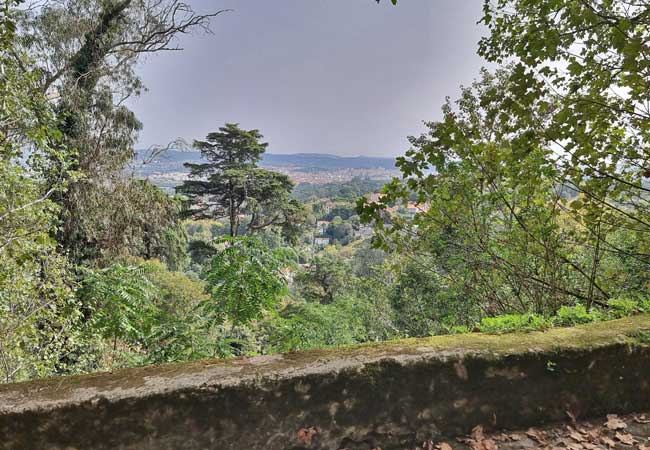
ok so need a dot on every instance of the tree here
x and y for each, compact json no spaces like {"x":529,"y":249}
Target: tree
{"x":231,"y":185}
{"x":591,"y":59}
{"x":179,"y":332}
{"x":340,"y":231}
{"x":327,"y":277}
{"x":66,"y":68}
{"x":38,"y":311}
{"x":494,"y":227}
{"x":536,"y":181}
{"x":244,"y":280}
{"x":120,"y":302}
{"x":85,"y":53}
{"x":306,"y":326}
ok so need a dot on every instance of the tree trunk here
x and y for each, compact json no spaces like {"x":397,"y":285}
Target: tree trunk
{"x":233,"y":213}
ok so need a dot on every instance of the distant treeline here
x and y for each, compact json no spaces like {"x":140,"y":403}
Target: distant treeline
{"x":347,"y":191}
{"x":148,"y":161}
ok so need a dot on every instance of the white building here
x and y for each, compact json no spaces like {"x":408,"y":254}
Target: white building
{"x":321,"y":242}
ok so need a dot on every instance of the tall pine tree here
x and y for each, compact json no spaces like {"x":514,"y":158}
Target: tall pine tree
{"x":230,"y":185}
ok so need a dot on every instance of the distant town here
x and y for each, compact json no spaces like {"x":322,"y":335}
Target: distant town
{"x":167,"y":171}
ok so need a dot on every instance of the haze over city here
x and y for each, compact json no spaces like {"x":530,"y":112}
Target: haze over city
{"x":337,"y":76}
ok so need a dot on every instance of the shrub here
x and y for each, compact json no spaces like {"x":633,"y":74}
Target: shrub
{"x":307,"y":325}
{"x":458,"y":329}
{"x":513,"y":322}
{"x":245,"y":279}
{"x":623,"y":306}
{"x":644,"y":305}
{"x":574,"y":315}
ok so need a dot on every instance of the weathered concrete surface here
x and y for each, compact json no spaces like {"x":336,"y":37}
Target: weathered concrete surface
{"x":389,"y":395}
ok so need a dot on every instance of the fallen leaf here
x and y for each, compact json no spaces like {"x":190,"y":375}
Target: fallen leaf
{"x":641,"y":419}
{"x":515,"y":437}
{"x":563,"y":441}
{"x":479,"y":442}
{"x":593,"y":435}
{"x":477,"y":433}
{"x":444,"y":446}
{"x":574,"y":446}
{"x":577,"y":436}
{"x":536,"y":435}
{"x":607,"y":441}
{"x":489,"y":444}
{"x":625,"y":438}
{"x":429,"y":445}
{"x":614,"y":423}
{"x":305,"y":435}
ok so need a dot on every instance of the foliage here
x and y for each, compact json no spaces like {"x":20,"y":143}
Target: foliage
{"x":492,"y":220}
{"x":175,"y":292}
{"x":623,"y":306}
{"x":180,"y":331}
{"x":513,"y":322}
{"x":143,"y":222}
{"x":533,"y":186}
{"x":424,"y":304}
{"x":38,"y":311}
{"x":594,"y":55}
{"x":307,"y":326}
{"x":346,"y":191}
{"x":84,"y":54}
{"x":342,"y":211}
{"x":341,"y":232}
{"x":120,"y":302}
{"x":325,"y":278}
{"x":230,"y":184}
{"x":458,"y":329}
{"x":568,"y":316}
{"x":245,"y":279}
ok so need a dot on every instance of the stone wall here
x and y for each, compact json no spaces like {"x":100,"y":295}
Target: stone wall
{"x":388,"y":395}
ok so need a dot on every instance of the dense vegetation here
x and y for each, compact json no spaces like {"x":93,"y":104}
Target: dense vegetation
{"x":526,"y":206}
{"x":345,"y":191}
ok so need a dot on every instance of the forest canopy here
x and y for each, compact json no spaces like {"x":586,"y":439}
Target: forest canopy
{"x":526,"y":205}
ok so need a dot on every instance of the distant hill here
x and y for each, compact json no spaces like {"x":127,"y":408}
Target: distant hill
{"x":167,"y":170}
{"x":320,"y":161}
{"x":172,"y":161}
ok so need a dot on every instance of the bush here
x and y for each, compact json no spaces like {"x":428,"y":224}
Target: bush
{"x":574,"y":315}
{"x":644,"y":305}
{"x":307,"y":325}
{"x":623,"y":306}
{"x":458,"y":329}
{"x":513,"y":322}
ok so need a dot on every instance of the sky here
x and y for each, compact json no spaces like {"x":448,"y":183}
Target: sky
{"x":346,"y":77}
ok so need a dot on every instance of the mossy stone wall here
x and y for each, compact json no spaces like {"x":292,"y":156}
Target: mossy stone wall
{"x":389,"y":395}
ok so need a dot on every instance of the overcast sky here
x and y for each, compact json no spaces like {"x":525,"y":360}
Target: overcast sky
{"x":347,"y":77}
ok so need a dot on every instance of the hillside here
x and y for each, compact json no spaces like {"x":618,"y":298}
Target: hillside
{"x":167,"y":170}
